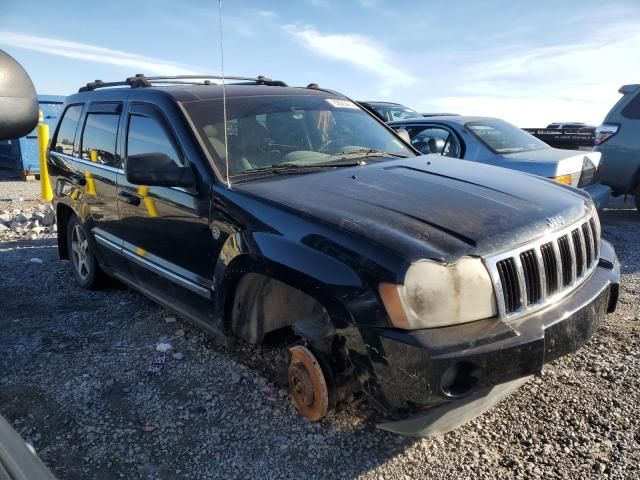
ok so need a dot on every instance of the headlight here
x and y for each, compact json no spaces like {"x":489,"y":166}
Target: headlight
{"x":434,"y":295}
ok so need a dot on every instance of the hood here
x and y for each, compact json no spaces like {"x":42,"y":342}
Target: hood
{"x":428,"y":206}
{"x":551,"y":162}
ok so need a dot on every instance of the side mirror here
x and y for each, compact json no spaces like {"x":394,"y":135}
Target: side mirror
{"x":18,"y":100}
{"x":404,"y":134}
{"x":157,"y":169}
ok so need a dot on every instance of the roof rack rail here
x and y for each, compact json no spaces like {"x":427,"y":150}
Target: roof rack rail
{"x":142,"y":81}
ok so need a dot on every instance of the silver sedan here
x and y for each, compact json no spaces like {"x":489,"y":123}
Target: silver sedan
{"x":496,"y":142}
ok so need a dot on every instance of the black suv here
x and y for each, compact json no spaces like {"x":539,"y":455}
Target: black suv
{"x":267,"y":212}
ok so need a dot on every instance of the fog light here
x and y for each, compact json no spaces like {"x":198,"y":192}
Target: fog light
{"x":460,"y":379}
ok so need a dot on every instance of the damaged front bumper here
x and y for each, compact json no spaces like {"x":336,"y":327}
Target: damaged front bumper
{"x":430,"y":381}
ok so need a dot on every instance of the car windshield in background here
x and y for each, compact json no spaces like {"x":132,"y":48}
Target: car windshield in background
{"x":397,"y":112}
{"x":304,"y":132}
{"x":502,"y":137}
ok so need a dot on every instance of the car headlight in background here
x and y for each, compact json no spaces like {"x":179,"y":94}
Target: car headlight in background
{"x":435,"y":295}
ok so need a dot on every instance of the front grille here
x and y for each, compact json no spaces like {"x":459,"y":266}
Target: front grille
{"x":534,"y":275}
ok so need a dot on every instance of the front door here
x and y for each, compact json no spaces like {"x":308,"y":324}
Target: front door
{"x":166,"y":229}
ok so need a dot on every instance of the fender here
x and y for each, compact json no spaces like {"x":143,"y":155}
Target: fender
{"x":319,"y":275}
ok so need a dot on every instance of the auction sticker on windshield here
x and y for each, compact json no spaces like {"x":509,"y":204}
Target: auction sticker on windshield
{"x":340,"y":103}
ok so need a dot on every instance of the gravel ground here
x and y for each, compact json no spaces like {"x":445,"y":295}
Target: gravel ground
{"x":75,"y":382}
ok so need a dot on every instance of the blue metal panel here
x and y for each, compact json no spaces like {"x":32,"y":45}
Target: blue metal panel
{"x":51,"y":107}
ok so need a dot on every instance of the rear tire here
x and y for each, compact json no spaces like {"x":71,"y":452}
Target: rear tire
{"x":84,"y":265}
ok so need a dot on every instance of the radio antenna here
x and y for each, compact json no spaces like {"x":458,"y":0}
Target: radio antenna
{"x":224,"y":96}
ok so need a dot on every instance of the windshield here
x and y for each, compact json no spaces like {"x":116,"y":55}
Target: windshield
{"x":296,"y":130}
{"x":395,"y":112}
{"x":502,"y":137}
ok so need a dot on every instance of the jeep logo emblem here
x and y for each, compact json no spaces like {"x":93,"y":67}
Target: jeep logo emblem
{"x":556,"y":221}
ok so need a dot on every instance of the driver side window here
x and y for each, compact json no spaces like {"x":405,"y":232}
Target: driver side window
{"x":435,"y":140}
{"x":147,"y":135}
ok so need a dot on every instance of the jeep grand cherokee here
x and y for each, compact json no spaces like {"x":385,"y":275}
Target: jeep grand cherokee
{"x":434,"y":286}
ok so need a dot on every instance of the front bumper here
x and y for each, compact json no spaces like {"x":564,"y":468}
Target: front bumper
{"x":600,"y":194}
{"x":412,"y":374}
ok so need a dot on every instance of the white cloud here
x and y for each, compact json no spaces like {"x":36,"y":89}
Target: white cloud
{"x":357,"y":50}
{"x":534,"y":86}
{"x":93,"y":53}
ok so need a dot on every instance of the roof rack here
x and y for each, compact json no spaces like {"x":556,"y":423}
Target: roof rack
{"x":142,"y":81}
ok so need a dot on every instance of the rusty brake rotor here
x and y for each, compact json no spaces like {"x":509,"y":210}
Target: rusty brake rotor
{"x":307,"y":384}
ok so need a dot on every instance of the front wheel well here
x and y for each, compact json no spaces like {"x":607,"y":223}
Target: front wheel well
{"x":260,"y":306}
{"x":63,"y":215}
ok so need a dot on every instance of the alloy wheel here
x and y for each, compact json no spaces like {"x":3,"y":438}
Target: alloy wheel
{"x":80,"y":252}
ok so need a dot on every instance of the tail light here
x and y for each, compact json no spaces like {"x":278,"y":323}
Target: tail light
{"x":605,"y":131}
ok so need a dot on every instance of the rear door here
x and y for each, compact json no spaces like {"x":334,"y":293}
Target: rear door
{"x":85,"y":146}
{"x":165,"y":229}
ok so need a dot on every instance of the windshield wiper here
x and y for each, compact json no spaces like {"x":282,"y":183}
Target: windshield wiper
{"x":367,"y":152}
{"x":291,"y":167}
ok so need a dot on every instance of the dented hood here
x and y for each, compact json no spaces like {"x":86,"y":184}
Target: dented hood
{"x":428,"y":206}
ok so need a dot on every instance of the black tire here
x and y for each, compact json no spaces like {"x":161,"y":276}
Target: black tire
{"x":84,"y":265}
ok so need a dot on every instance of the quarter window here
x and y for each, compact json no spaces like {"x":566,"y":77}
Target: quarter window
{"x":632,"y":110}
{"x":99,"y":139}
{"x":67,"y":131}
{"x":147,"y":135}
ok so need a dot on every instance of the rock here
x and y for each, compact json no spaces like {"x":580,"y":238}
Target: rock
{"x":4,"y":228}
{"x":178,"y":356}
{"x":49,"y":218}
{"x":163,"y":347}
{"x":235,"y":377}
{"x":20,"y":218}
{"x":180,"y":333}
{"x":36,"y":260}
{"x":170,"y":319}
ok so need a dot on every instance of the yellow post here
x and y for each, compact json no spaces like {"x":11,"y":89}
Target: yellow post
{"x":149,"y":203}
{"x":43,"y":141}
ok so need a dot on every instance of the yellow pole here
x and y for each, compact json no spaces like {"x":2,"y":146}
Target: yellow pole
{"x":43,"y":141}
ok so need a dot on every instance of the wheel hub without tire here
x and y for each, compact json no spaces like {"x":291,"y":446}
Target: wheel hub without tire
{"x":307,"y":384}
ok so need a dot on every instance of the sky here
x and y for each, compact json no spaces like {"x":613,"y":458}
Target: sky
{"x":530,"y":63}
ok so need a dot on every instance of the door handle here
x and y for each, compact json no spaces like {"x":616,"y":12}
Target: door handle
{"x":129,"y":198}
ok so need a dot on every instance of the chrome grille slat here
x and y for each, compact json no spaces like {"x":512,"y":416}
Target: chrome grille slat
{"x":596,"y":240}
{"x":588,"y":243}
{"x":536,"y":274}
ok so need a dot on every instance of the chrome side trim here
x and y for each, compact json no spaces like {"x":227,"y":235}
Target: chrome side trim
{"x":107,"y":243}
{"x":171,"y":276}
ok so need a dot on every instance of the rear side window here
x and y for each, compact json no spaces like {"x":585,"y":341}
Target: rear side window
{"x":99,"y":139}
{"x":632,"y":109}
{"x":147,"y":135}
{"x":67,"y":131}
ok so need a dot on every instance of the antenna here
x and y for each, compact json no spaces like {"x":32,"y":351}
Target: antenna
{"x":224,"y":96}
